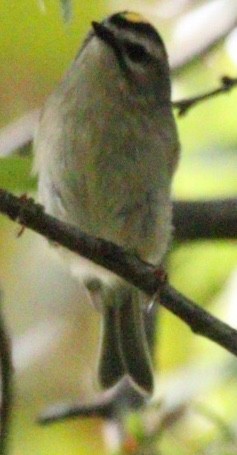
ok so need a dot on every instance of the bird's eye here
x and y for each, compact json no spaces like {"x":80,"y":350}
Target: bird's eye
{"x":136,"y":53}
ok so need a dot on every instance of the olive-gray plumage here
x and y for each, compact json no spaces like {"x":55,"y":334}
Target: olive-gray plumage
{"x":106,"y":150}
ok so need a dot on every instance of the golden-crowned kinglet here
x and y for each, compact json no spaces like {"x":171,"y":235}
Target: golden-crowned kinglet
{"x":106,"y":150}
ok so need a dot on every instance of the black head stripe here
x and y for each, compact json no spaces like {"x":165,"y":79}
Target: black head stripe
{"x":136,"y":52}
{"x":143,"y":28}
{"x":106,"y":35}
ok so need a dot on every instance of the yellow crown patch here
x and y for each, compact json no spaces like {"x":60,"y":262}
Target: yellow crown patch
{"x":134,"y":17}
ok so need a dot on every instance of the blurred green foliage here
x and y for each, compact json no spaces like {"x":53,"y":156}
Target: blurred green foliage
{"x":16,"y":175}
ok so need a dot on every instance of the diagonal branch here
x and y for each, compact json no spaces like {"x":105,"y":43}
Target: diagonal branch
{"x":131,"y":268}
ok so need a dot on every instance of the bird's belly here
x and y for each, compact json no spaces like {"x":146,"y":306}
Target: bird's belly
{"x":141,"y":225}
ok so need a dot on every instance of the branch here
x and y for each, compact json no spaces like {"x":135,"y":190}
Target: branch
{"x":198,"y":319}
{"x":18,"y":133}
{"x":199,"y":38}
{"x":213,"y":219}
{"x":131,"y":268}
{"x":6,"y":384}
{"x":227,"y":84}
{"x":110,"y":404}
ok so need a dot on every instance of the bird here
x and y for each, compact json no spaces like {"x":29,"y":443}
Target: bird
{"x":106,"y":150}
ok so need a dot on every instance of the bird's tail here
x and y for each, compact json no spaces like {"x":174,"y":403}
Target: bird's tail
{"x":124,"y":347}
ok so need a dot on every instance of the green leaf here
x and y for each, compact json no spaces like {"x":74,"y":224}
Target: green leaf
{"x":66,"y":7}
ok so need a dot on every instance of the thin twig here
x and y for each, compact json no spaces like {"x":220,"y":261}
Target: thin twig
{"x":227,"y":84}
{"x":6,"y":384}
{"x":131,"y":268}
{"x":110,"y":404}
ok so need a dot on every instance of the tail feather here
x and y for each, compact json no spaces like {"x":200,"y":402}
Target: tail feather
{"x":111,"y":368}
{"x":124,"y":348}
{"x":133,"y":342}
